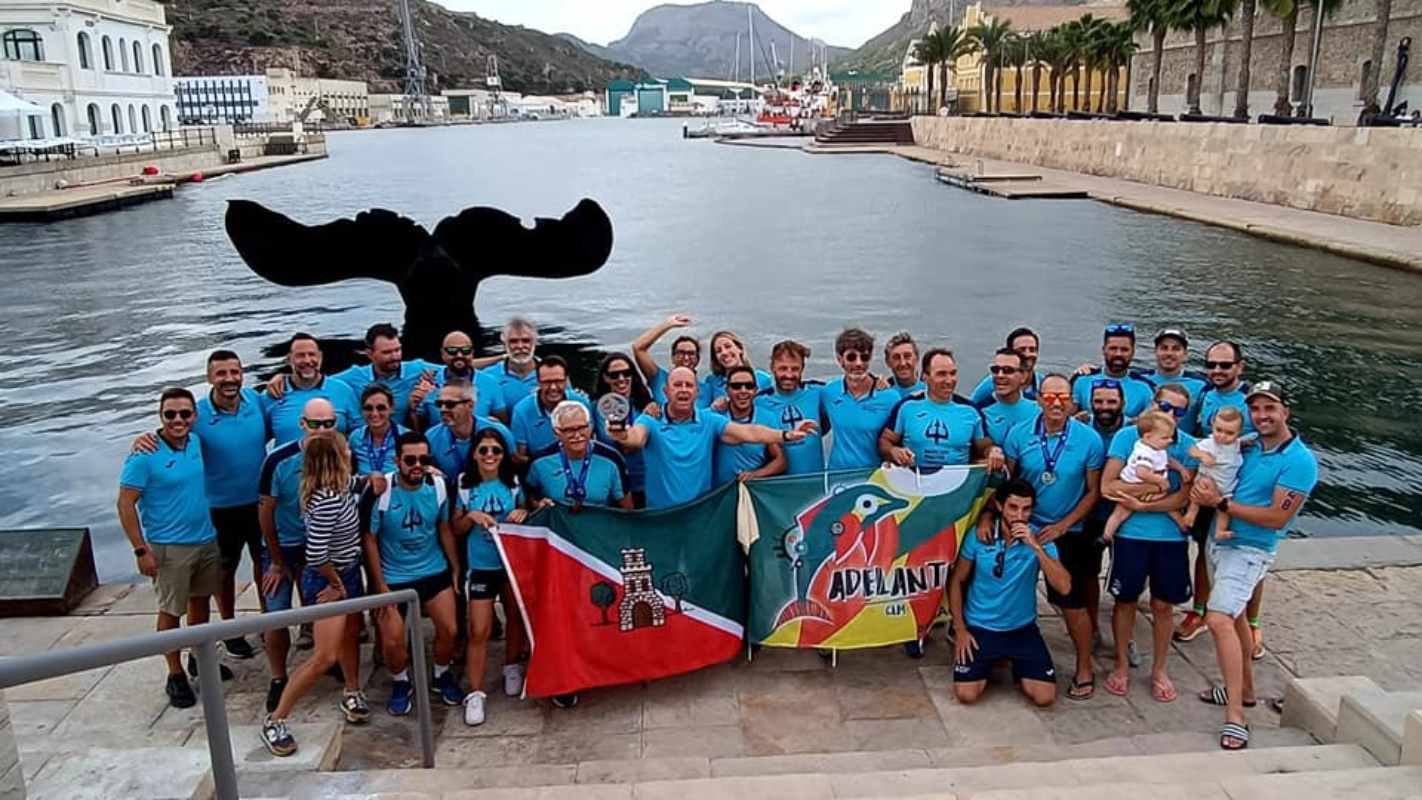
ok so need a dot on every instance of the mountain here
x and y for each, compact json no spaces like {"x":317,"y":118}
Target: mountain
{"x":596,"y":49}
{"x":362,"y":40}
{"x":699,"y":41}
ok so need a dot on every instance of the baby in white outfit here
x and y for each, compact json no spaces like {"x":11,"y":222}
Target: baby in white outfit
{"x":1146,"y":474}
{"x":1220,"y":457}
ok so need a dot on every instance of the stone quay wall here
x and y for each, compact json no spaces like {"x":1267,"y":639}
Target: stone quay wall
{"x":1363,"y":173}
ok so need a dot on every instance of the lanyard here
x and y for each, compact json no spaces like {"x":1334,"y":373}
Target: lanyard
{"x":577,"y":487}
{"x":1051,"y":458}
{"x":377,"y":459}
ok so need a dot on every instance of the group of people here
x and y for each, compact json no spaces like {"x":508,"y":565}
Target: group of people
{"x":391,"y":475}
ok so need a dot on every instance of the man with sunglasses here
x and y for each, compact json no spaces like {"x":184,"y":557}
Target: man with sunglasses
{"x":1118,"y":350}
{"x":793,"y":401}
{"x":751,"y":460}
{"x":679,"y":446}
{"x":685,"y":352}
{"x":450,"y":440}
{"x":532,"y":423}
{"x":1172,"y":353}
{"x":283,"y":404}
{"x":163,"y":509}
{"x":515,"y":374}
{"x":995,"y":614}
{"x":901,"y":357}
{"x":1025,"y":343}
{"x":1008,"y":406}
{"x":284,"y":531}
{"x":938,"y":428}
{"x":457,"y":352}
{"x":577,"y":473}
{"x":855,"y":409}
{"x":408,"y":544}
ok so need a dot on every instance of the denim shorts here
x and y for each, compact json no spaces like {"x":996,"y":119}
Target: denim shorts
{"x":1235,"y":573}
{"x":295,"y":558}
{"x":313,"y":583}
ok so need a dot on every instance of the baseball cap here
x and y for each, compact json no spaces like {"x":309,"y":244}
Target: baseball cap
{"x":1271,"y":389}
{"x":1173,"y":333}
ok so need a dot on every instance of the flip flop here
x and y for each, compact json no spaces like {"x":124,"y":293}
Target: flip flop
{"x":1236,"y":731}
{"x":1259,"y":652}
{"x":1163,"y":692}
{"x":1075,"y":693}
{"x":1219,"y":696}
{"x":1118,"y":687}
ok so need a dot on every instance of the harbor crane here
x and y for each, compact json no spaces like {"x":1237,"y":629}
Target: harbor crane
{"x":417,"y":98}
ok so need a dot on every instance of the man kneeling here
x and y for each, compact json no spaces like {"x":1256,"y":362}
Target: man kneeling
{"x":998,"y":620}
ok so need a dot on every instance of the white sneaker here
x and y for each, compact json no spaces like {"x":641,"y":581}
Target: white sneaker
{"x":513,"y":680}
{"x":474,"y":709}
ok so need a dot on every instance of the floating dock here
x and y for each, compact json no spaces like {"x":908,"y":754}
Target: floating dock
{"x":1012,"y":186}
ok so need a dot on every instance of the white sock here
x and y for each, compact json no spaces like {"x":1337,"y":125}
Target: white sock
{"x":402,"y":675}
{"x":440,"y":669}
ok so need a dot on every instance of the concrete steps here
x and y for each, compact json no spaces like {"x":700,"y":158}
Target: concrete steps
{"x":1356,"y":710}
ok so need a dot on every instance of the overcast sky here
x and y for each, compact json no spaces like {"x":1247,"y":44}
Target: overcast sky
{"x":846,"y":23}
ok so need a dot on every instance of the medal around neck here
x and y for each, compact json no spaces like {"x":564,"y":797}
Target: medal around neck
{"x":614,"y":408}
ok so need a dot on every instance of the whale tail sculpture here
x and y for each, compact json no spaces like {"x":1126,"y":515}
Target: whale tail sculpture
{"x":438,"y":273}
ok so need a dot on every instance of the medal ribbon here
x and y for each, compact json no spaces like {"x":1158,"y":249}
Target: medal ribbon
{"x":378,"y":458}
{"x":577,"y":487}
{"x":1055,"y":455}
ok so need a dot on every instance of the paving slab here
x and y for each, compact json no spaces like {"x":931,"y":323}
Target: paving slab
{"x":1312,"y":704}
{"x":1374,"y":719}
{"x":1374,"y":784}
{"x":650,"y":768}
{"x":821,"y":763}
{"x":572,"y":748}
{"x":318,"y":749}
{"x":1350,"y":552}
{"x":158,"y":773}
{"x":1188,"y":791}
{"x":719,"y":741}
{"x":780,"y":787}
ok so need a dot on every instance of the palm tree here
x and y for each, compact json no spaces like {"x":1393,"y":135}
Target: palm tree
{"x":1039,"y":45}
{"x":1016,"y":57}
{"x":1074,"y":40}
{"x":1119,"y":45}
{"x":1199,"y":16}
{"x":926,"y":53}
{"x":990,"y":39}
{"x":1246,"y":51}
{"x":1062,"y":60}
{"x":1373,"y":81}
{"x":1152,"y":16}
{"x":1288,"y":13}
{"x":953,"y":43}
{"x":1090,"y":52}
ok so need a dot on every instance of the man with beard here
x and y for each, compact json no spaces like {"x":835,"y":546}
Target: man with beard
{"x":1118,"y":349}
{"x":283,"y":409}
{"x":449,"y":441}
{"x":901,"y":357}
{"x":679,"y":446}
{"x":575,"y":473}
{"x":752,"y":460}
{"x":1025,"y":343}
{"x":532,"y":423}
{"x":386,"y":367}
{"x":685,"y":352}
{"x":457,"y":353}
{"x":855,"y":410}
{"x":408,"y":544}
{"x":1008,"y":407}
{"x":515,"y":373}
{"x":163,"y":508}
{"x":940,"y":428}
{"x":1172,"y":353}
{"x":794,"y":401}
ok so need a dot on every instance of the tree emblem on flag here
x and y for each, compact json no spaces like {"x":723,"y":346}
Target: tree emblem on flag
{"x":641,"y":606}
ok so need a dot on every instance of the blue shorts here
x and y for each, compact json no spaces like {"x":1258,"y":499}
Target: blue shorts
{"x":313,"y":583}
{"x":1024,"y":647}
{"x":1165,"y":565}
{"x":295,"y":558}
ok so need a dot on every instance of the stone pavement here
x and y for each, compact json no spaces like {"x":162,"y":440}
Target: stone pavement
{"x":1317,"y":622}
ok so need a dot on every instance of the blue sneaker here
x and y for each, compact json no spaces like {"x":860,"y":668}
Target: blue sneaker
{"x":447,"y":687}
{"x":399,"y":703}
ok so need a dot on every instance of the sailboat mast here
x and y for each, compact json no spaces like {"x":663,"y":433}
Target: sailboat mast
{"x":750,"y":21}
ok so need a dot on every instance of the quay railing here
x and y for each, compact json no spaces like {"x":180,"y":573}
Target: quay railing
{"x":203,"y":639}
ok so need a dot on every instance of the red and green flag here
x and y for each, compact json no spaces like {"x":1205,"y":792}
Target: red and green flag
{"x":616,"y":597}
{"x":854,"y":559}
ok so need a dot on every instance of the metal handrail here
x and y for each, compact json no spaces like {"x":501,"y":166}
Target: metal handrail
{"x":203,"y":639}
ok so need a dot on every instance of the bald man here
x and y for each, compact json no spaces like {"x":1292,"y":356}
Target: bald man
{"x":457,"y":352}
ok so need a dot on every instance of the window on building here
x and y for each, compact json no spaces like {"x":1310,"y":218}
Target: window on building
{"x":147,"y":120}
{"x":1299,"y":84}
{"x":108,"y":48}
{"x":95,"y":127}
{"x":1364,"y":78}
{"x":56,"y":115}
{"x":1190,"y":81}
{"x":84,"y":62}
{"x":157,"y":60}
{"x":132,"y":119}
{"x":36,"y":127}
{"x":166,"y":115}
{"x":137,"y":57}
{"x":123,"y":54}
{"x":23,"y":44}
{"x":117,"y":114}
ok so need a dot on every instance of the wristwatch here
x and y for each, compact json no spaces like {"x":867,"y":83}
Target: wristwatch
{"x":140,"y":551}
{"x":1223,"y":505}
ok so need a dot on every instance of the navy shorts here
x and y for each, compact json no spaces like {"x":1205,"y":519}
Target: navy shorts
{"x":427,"y":588}
{"x":237,"y":530}
{"x":1165,"y":565}
{"x":1024,"y":647}
{"x":485,"y":584}
{"x":1081,"y":556}
{"x":313,"y":583}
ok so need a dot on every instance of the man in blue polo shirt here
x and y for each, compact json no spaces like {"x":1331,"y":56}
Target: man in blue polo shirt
{"x":901,"y":357}
{"x":939,"y":429}
{"x":1224,"y":364}
{"x":306,"y":383}
{"x":516,"y":375}
{"x":1275,"y":480}
{"x":531,"y":424}
{"x":995,"y":615}
{"x":1025,"y":343}
{"x":449,"y":441}
{"x":1149,"y":548}
{"x":388,"y":368}
{"x":793,"y":401}
{"x":457,"y":353}
{"x":163,"y":508}
{"x":679,"y":446}
{"x":1118,"y":350}
{"x":855,"y":410}
{"x":1062,"y":458}
{"x":685,"y":352}
{"x":1172,"y":353}
{"x":574,"y":474}
{"x":752,"y":460}
{"x":1008,"y":407}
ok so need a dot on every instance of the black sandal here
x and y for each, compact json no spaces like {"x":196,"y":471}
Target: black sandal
{"x":1075,"y":685}
{"x":1237,"y":731}
{"x":1219,"y":696}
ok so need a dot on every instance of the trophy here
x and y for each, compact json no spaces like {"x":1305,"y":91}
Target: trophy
{"x":615,"y":410}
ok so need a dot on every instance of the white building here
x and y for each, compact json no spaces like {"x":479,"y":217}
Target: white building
{"x":290,"y":95}
{"x":480,"y":103}
{"x":395,"y":108}
{"x":222,"y":99}
{"x":98,"y":67}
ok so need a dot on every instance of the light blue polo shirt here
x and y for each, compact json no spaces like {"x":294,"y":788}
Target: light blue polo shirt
{"x":451,"y":453}
{"x":172,"y":504}
{"x":546,"y":478}
{"x":281,"y":481}
{"x":488,"y":398}
{"x":511,"y":387}
{"x":1140,"y":396}
{"x":362,"y":375}
{"x":233,"y":447}
{"x":405,"y":523}
{"x":680,"y":456}
{"x":533,"y":427}
{"x":1213,"y":400}
{"x":856,"y":423}
{"x":1194,"y":383}
{"x":906,"y":391}
{"x":635,"y":461}
{"x":939,"y":434}
{"x":1009,"y":602}
{"x":1104,"y":507}
{"x":284,"y":415}
{"x":1003,"y":417}
{"x":983,"y":392}
{"x":806,"y":456}
{"x":1292,"y":466}
{"x":733,"y":459}
{"x":374,"y":456}
{"x":1082,"y":452}
{"x":496,"y":499}
{"x":1153,"y":526}
{"x":713,"y":386}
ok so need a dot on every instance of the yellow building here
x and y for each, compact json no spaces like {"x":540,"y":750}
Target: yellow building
{"x":968,"y":72}
{"x":912,"y":91}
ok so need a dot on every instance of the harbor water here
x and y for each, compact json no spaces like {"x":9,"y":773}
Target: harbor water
{"x":101,"y":313}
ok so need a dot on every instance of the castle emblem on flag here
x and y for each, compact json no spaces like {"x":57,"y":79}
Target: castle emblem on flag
{"x":641,"y":606}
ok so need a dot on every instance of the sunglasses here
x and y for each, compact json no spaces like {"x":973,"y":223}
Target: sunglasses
{"x":373,"y":409}
{"x":459,"y":351}
{"x":1170,"y":408}
{"x":1120,"y":328}
{"x":318,"y":424}
{"x":855,"y":356}
{"x":741,"y":386}
{"x":411,"y":461}
{"x":1000,"y":562}
{"x":1220,"y":364}
{"x":998,"y":369}
{"x":1055,"y":398}
{"x":447,"y":405}
{"x":178,"y":413}
{"x":618,"y":374}
{"x":491,"y":450}
{"x":1106,"y":383}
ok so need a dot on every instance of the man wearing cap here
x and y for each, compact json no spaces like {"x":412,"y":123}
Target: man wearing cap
{"x":1275,"y":480}
{"x":1118,"y":349}
{"x":1172,"y":353}
{"x":1025,"y":342}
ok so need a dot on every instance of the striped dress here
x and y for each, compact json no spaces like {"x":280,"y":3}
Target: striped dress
{"x":333,"y":527}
